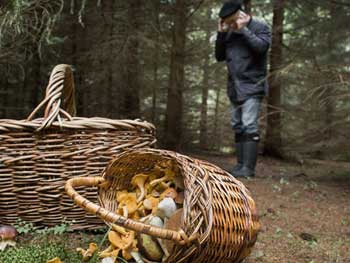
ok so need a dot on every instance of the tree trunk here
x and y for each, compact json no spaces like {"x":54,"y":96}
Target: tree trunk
{"x":155,"y":60}
{"x":273,"y":132}
{"x":248,"y":6}
{"x":75,"y":62}
{"x":131,"y":93}
{"x":4,"y":93}
{"x":110,"y":96}
{"x":81,"y":45}
{"x":216,"y":118}
{"x":204,"y":105}
{"x":331,"y":80}
{"x":33,"y":88}
{"x":176,"y":82}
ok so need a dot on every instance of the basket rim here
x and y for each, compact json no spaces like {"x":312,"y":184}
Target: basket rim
{"x":78,"y":123}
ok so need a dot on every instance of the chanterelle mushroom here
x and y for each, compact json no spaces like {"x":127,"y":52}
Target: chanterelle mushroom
{"x":54,"y":260}
{"x":7,"y":236}
{"x":87,"y":254}
{"x":151,"y":203}
{"x":124,"y":240}
{"x":170,"y":192}
{"x":169,"y":175}
{"x":127,"y":203}
{"x":139,"y":181}
{"x":110,"y":253}
{"x":120,"y":238}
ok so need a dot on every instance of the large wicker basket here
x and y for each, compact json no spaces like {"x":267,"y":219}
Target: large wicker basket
{"x":37,"y":156}
{"x":219,"y":221}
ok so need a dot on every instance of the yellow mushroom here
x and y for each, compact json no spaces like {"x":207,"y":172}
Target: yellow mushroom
{"x":169,"y":175}
{"x":125,"y":241}
{"x":170,"y":192}
{"x":54,"y":260}
{"x":126,"y":254}
{"x":151,"y":203}
{"x":136,"y":216}
{"x":155,"y":193}
{"x":139,"y":181}
{"x":87,"y":254}
{"x":158,"y":171}
{"x":121,"y":195}
{"x":121,"y":240}
{"x":121,"y":230}
{"x":127,"y":204}
{"x":110,"y":253}
{"x":106,"y":253}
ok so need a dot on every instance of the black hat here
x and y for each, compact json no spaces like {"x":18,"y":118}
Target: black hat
{"x":230,"y":8}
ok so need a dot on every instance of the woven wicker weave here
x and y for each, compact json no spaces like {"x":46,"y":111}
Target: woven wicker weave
{"x":219,"y":221}
{"x":37,"y":156}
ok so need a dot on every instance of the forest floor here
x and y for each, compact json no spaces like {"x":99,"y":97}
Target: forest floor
{"x":304,"y":210}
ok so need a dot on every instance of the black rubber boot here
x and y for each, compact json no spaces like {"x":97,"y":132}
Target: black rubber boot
{"x":250,"y":156}
{"x":239,"y":157}
{"x":239,"y":153}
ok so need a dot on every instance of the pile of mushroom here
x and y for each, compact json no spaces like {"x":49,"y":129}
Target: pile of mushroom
{"x":154,"y":197}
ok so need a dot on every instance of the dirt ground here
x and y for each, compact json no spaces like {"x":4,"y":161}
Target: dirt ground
{"x":304,"y":210}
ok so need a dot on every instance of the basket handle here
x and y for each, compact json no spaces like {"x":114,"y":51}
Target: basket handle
{"x":61,"y":81}
{"x":178,"y":237}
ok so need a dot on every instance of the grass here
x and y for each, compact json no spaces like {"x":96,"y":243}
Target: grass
{"x":39,"y":253}
{"x":40,"y":245}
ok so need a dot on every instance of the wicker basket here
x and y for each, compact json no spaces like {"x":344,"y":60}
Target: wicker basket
{"x":219,"y":221}
{"x":37,"y":156}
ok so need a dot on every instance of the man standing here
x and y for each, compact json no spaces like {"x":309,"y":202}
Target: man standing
{"x":243,"y":42}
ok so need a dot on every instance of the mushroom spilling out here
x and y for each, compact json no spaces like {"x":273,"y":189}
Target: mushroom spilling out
{"x":87,"y":253}
{"x":7,"y":236}
{"x":154,"y":197}
{"x":54,"y":260}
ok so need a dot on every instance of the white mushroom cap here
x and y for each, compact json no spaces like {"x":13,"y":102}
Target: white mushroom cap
{"x":166,"y":208}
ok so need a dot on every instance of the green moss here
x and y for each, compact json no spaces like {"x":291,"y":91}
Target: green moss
{"x":40,"y":254}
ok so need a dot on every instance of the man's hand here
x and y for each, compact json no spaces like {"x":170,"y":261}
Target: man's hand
{"x":243,"y":20}
{"x":222,"y":27}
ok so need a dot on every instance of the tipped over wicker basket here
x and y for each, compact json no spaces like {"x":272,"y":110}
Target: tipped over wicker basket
{"x":219,"y":221}
{"x":37,"y":156}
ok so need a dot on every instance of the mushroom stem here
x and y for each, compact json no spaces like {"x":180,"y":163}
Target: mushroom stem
{"x":142,"y":194}
{"x":163,"y":247}
{"x":125,"y":211}
{"x":139,"y":181}
{"x":159,"y":180}
{"x":5,"y":243}
{"x":137,"y":257}
{"x":119,"y":229}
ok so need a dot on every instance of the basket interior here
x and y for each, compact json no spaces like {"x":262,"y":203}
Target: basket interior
{"x":120,"y":172}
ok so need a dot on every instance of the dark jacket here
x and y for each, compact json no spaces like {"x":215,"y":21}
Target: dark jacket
{"x":245,"y":53}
